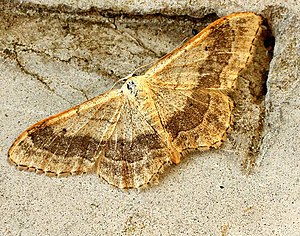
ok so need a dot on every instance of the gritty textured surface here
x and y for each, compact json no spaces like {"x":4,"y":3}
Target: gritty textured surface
{"x":207,"y":193}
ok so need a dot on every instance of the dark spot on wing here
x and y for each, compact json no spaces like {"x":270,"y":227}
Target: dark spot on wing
{"x":194,"y":32}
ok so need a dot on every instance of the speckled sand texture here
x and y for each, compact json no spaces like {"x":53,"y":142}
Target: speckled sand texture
{"x":53,"y":57}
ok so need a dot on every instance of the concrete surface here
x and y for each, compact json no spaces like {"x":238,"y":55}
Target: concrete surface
{"x":53,"y":57}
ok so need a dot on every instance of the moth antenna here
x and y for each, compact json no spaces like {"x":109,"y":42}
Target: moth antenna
{"x":143,"y":66}
{"x":182,"y":42}
{"x":130,"y":75}
{"x":115,"y":83}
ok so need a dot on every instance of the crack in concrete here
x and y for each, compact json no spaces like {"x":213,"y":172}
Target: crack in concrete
{"x":32,"y":74}
{"x":40,"y":78}
{"x":139,"y":43}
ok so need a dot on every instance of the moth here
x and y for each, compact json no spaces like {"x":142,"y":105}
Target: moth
{"x":127,"y":136}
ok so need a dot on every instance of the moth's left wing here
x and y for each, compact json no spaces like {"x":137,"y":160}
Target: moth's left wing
{"x":135,"y":151}
{"x":106,"y":135}
{"x":70,"y":142}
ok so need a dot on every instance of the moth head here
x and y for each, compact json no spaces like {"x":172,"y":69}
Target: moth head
{"x":132,"y":86}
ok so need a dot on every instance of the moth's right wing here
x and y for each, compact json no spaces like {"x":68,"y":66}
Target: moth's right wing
{"x":192,"y":118}
{"x":189,"y":86}
{"x":216,"y":56}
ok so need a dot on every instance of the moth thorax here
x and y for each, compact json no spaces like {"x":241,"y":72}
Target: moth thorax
{"x":132,"y":87}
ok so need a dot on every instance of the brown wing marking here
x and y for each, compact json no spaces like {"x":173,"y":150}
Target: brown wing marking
{"x":213,"y":58}
{"x":135,"y":152}
{"x":194,"y":119}
{"x":70,"y":142}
